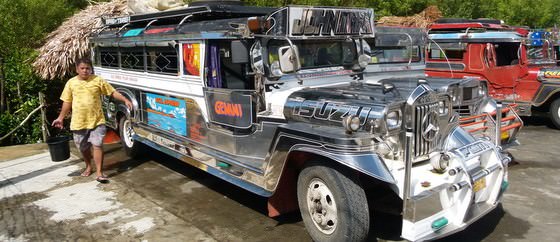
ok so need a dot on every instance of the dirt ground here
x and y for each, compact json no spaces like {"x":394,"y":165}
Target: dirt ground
{"x":158,"y":198}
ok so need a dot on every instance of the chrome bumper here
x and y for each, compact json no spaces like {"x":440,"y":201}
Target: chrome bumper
{"x":438,"y":205}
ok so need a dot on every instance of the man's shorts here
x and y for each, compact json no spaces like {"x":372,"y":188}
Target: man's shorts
{"x":85,"y":138}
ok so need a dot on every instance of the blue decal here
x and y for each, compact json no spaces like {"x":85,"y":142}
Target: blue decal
{"x":167,"y":113}
{"x":133,"y":32}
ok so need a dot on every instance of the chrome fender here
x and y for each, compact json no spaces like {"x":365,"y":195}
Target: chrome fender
{"x":365,"y":162}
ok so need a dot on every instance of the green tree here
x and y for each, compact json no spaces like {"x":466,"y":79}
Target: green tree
{"x":23,"y":26}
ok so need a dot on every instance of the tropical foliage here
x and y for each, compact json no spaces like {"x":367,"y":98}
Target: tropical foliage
{"x":23,"y":26}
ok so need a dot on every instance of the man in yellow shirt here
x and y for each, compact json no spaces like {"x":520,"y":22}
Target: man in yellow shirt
{"x":82,"y":95}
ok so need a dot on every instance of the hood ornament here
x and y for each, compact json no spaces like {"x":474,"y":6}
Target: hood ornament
{"x":430,"y":126}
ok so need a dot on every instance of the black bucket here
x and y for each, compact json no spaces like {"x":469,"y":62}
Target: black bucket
{"x":59,"y":148}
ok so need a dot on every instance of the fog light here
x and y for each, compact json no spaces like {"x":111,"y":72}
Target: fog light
{"x":441,"y":162}
{"x":439,"y":223}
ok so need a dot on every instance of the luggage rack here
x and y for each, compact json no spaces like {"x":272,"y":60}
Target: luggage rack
{"x":178,"y":16}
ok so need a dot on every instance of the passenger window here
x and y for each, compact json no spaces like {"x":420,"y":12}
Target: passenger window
{"x":132,"y":58}
{"x":506,"y":54}
{"x":449,"y":53}
{"x":191,"y":59}
{"x":162,"y":60}
{"x":109,"y":57}
{"x":222,"y":72}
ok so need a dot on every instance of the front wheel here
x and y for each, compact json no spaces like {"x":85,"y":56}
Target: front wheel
{"x":555,"y":113}
{"x":332,"y":204}
{"x":131,"y":147}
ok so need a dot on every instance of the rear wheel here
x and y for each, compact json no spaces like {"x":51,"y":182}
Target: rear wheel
{"x":333,"y":205}
{"x":555,"y":113}
{"x":131,"y":147}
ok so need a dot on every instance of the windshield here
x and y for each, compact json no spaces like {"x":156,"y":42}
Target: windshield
{"x":540,"y":53}
{"x":394,"y":48}
{"x":394,"y":54}
{"x":318,"y":54}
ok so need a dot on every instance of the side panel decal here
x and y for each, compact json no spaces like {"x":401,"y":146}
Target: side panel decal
{"x":232,"y":109}
{"x":166,"y":113}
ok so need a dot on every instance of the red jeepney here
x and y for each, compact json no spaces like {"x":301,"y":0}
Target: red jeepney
{"x":517,"y":71}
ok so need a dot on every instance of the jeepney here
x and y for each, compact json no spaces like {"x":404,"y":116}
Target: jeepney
{"x":397,"y":54}
{"x":273,"y":100}
{"x":518,"y":70}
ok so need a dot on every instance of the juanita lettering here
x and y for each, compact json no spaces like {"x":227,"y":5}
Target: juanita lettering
{"x":329,"y":21}
{"x":228,"y":109}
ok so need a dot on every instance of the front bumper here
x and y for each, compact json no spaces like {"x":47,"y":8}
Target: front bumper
{"x":484,"y":123}
{"x":443,"y":204}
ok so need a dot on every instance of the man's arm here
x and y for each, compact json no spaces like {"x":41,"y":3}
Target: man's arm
{"x":58,"y":122}
{"x":117,"y":95}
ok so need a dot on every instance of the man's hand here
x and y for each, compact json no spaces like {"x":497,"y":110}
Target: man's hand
{"x":128,"y":104}
{"x":58,"y":123}
{"x":122,"y":98}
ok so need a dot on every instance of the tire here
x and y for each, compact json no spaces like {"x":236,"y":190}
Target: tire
{"x":554,"y":113}
{"x":346,"y":211}
{"x":131,"y":147}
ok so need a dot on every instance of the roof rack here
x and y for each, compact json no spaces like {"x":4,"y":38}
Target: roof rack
{"x":209,"y":11}
{"x":462,"y":20}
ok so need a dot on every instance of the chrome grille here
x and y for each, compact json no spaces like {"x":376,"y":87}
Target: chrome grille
{"x":468,"y":93}
{"x":422,"y":146}
{"x":463,"y":111}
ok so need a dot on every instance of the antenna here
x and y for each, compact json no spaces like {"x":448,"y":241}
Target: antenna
{"x":444,"y":55}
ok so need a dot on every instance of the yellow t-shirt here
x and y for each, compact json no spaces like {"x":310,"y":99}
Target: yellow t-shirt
{"x":85,"y":97}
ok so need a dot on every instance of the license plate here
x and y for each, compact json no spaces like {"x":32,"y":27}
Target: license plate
{"x":505,"y":135}
{"x":479,"y":185}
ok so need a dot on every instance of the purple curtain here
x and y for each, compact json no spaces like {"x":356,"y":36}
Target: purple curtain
{"x":214,"y":72}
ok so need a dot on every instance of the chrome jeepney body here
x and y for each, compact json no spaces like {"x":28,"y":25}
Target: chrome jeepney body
{"x":398,"y":55}
{"x":266,"y":98}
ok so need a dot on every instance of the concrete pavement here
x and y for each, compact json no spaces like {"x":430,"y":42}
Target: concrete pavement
{"x":161,"y":199}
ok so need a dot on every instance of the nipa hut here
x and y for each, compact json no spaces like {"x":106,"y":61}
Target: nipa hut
{"x":420,"y":20}
{"x":70,"y":41}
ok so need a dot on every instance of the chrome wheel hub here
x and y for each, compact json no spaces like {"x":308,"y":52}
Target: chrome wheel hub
{"x":128,"y":132}
{"x":322,"y":206}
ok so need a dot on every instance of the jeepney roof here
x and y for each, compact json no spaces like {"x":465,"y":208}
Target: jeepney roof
{"x":477,"y":37}
{"x":226,"y":21}
{"x":468,"y":25}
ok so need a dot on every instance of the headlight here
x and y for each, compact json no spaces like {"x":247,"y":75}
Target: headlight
{"x":482,"y":90}
{"x":393,"y":119}
{"x":442,"y":107}
{"x":488,"y":105}
{"x":456,"y":96}
{"x":351,"y":123}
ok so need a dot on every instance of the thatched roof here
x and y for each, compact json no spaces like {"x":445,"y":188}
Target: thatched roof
{"x":421,"y":20}
{"x":70,"y":41}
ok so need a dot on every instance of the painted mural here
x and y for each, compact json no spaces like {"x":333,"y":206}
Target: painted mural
{"x":167,"y":113}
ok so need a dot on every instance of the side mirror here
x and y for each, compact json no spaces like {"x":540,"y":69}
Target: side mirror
{"x":289,"y":59}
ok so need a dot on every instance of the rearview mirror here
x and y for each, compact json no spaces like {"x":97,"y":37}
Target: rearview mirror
{"x":289,"y":59}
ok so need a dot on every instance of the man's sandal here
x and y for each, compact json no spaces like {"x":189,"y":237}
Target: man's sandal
{"x":102,"y":179}
{"x":85,"y":173}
